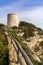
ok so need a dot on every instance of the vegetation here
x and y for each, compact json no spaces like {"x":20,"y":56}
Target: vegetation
{"x":28,"y":29}
{"x":1,"y":25}
{"x":23,"y":23}
{"x":28,"y":33}
{"x":18,"y":39}
{"x":3,"y":51}
{"x":41,"y":43}
{"x":3,"y":48}
{"x":36,"y":49}
{"x":26,"y":49}
{"x":40,"y":33}
{"x":34,"y":61}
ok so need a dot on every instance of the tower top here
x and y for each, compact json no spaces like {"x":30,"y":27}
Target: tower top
{"x":12,"y":14}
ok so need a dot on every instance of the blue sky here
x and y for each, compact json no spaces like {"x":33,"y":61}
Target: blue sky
{"x":27,"y":10}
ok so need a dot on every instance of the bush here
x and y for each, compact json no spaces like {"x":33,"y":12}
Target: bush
{"x":41,"y":43}
{"x":3,"y":51}
{"x":36,"y":49}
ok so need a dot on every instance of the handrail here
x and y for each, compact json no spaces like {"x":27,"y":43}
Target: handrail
{"x":28,"y":61}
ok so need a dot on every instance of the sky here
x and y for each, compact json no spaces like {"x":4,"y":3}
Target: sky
{"x":27,"y":10}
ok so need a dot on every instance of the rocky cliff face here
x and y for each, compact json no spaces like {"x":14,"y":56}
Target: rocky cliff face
{"x":11,"y":50}
{"x":32,"y":37}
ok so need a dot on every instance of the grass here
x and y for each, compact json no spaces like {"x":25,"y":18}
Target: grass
{"x":26,"y":49}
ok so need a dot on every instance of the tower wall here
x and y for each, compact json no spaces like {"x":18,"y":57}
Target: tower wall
{"x":12,"y":20}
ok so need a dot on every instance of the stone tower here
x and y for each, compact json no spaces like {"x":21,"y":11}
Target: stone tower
{"x":12,"y":20}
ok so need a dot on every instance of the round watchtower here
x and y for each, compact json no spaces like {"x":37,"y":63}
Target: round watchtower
{"x":12,"y":20}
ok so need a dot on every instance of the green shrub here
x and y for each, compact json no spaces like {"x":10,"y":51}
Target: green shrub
{"x":41,"y":43}
{"x":36,"y":49}
{"x":3,"y":51}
